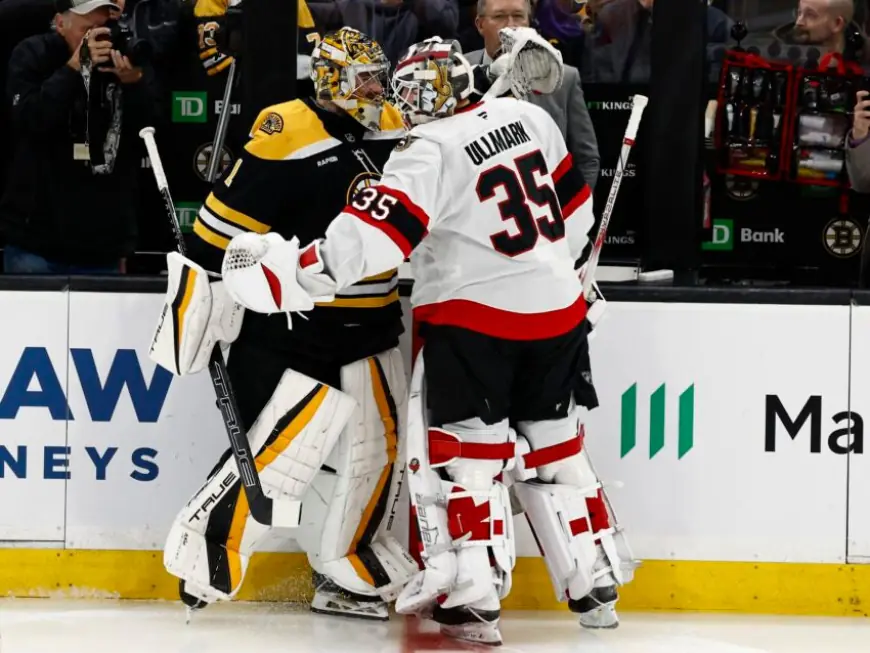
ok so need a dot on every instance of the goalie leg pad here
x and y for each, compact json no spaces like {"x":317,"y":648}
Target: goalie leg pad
{"x":214,"y":535}
{"x":463,"y":514}
{"x":196,"y":315}
{"x":566,"y":507}
{"x":350,"y":512}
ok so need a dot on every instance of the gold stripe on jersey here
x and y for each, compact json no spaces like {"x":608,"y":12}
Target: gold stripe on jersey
{"x":205,"y":54}
{"x":223,"y":65}
{"x":288,"y":131}
{"x":209,"y":235}
{"x":232,"y":216}
{"x":362,"y":302}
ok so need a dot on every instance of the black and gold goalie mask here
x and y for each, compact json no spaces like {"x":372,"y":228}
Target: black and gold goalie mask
{"x":350,"y":70}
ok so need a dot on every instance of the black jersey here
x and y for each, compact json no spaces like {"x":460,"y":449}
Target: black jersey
{"x":211,"y":17}
{"x":299,"y":169}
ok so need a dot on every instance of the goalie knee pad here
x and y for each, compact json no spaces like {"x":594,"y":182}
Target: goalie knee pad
{"x":567,"y":510}
{"x":197,"y":315}
{"x":463,"y":513}
{"x":212,"y":539}
{"x":350,"y":510}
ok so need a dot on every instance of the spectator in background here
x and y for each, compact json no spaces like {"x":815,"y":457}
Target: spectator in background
{"x":623,"y":40}
{"x":821,"y":23}
{"x":566,"y":105}
{"x":858,"y":145}
{"x":556,"y":23}
{"x":70,"y":202}
{"x":394,"y":24}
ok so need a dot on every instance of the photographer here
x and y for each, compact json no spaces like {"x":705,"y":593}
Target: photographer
{"x":76,"y":102}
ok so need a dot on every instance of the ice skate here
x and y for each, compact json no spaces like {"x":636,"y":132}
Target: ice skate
{"x":598,"y":608}
{"x":331,"y":599}
{"x":469,"y":625}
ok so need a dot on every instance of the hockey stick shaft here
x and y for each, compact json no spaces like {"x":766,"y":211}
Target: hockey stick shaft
{"x":638,"y":104}
{"x":223,"y":122}
{"x":262,"y":507}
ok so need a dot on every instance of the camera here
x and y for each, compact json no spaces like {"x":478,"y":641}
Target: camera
{"x":125,"y":41}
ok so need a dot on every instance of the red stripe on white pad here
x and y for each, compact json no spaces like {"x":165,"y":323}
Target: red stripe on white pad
{"x":555,"y":453}
{"x":274,"y":285}
{"x":445,"y":447}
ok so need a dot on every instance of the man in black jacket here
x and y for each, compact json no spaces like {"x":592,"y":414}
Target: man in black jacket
{"x":76,"y":104}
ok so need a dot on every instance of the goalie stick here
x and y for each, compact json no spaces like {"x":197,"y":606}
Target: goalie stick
{"x":638,"y":104}
{"x":269,"y":512}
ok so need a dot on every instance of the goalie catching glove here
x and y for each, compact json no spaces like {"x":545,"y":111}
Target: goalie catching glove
{"x":529,"y":64}
{"x":197,"y":314}
{"x":268,"y":274}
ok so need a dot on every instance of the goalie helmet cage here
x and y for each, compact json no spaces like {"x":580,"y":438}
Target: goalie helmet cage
{"x":269,"y":52}
{"x":673,"y":168}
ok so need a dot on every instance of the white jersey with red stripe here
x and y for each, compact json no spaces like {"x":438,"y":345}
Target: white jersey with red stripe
{"x":493,"y":213}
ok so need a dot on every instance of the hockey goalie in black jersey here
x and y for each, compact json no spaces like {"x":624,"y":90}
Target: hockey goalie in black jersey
{"x":323,"y":402}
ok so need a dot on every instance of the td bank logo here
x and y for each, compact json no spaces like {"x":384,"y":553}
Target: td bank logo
{"x":187,"y":214}
{"x":723,"y":237}
{"x":189,"y":106}
{"x":685,"y":421}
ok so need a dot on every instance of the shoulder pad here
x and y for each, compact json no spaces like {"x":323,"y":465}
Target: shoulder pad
{"x":287,"y":131}
{"x":391,"y":118}
{"x":204,"y":8}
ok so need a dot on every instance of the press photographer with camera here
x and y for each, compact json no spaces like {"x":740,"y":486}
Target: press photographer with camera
{"x":78,"y":96}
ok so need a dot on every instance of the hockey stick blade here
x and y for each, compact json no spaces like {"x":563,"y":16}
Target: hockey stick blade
{"x":638,"y":104}
{"x":283,"y":513}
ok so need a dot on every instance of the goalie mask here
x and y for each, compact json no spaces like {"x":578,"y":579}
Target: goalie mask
{"x":350,"y":70}
{"x":431,"y":81}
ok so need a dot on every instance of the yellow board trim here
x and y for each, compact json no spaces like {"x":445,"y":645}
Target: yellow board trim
{"x":209,"y":236}
{"x":744,"y":587}
{"x":236,"y":217}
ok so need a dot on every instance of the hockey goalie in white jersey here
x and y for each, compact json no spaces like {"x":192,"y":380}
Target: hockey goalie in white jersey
{"x":485,"y":200}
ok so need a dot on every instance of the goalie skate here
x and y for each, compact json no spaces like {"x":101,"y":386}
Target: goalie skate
{"x":331,"y":599}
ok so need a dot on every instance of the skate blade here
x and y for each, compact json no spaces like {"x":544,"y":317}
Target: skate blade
{"x":601,"y":618}
{"x":338,"y":607}
{"x":476,"y":633}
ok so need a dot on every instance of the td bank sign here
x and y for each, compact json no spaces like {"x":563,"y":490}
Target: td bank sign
{"x":658,"y":438}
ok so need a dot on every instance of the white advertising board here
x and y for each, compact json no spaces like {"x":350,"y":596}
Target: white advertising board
{"x":835,"y":417}
{"x":141,"y":441}
{"x":696,"y":404}
{"x":33,"y":406}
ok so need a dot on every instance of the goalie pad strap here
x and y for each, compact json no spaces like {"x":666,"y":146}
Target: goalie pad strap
{"x":555,"y":453}
{"x":446,"y":447}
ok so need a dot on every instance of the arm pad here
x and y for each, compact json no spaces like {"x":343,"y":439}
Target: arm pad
{"x":197,"y":314}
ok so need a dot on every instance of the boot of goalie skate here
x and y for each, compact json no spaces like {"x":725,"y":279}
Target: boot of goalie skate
{"x":470,"y":624}
{"x":331,"y":599}
{"x":598,"y":608}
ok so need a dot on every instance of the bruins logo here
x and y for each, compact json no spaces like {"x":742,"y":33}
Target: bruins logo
{"x":273,"y":124}
{"x":361,"y":181}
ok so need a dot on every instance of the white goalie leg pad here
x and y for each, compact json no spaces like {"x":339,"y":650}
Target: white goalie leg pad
{"x":197,"y":314}
{"x":213,"y":537}
{"x":566,"y":508}
{"x":348,"y":515}
{"x":461,"y":518}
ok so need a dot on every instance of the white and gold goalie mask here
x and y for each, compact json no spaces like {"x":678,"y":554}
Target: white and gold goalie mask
{"x":431,"y":81}
{"x":350,"y":70}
